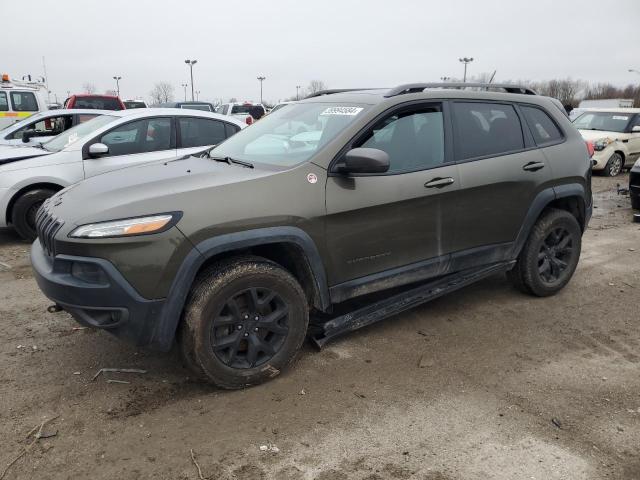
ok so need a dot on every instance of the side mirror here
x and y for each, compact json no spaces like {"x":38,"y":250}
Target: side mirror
{"x":365,"y":160}
{"x":635,"y":129}
{"x":27,"y":135}
{"x":98,"y":150}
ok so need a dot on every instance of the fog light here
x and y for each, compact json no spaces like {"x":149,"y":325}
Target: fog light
{"x":88,"y":272}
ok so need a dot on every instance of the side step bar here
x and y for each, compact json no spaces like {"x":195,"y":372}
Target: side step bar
{"x":322,"y":330}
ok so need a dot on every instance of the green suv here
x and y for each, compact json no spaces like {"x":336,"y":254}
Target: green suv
{"x":326,"y":215}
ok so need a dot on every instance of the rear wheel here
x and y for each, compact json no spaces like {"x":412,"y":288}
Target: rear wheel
{"x":244,"y":322}
{"x":23,"y":214}
{"x":550,"y":255}
{"x":614,"y":165}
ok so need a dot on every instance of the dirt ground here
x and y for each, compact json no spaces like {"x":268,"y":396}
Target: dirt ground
{"x":485,"y":383}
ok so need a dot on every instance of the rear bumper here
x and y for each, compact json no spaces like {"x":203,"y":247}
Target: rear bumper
{"x":96,"y":294}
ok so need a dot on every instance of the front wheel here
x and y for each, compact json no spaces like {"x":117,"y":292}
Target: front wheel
{"x":244,"y":322}
{"x":549,"y":256}
{"x":614,"y":165}
{"x":23,"y":214}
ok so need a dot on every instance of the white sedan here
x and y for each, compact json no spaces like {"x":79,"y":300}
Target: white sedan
{"x":43,"y":126}
{"x":119,"y":139}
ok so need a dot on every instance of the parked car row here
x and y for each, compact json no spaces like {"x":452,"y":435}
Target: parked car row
{"x":89,"y":143}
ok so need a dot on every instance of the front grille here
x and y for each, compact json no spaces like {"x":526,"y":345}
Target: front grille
{"x":47,"y":226}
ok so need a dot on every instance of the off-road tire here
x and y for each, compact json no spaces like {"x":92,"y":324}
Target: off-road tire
{"x":526,"y":275}
{"x":209,"y":296}
{"x":23,"y":212}
{"x":614,"y":166}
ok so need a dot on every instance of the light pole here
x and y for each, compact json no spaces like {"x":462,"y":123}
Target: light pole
{"x":297,"y":92}
{"x":184,"y":85}
{"x":191,"y":63}
{"x":445,"y":79}
{"x":466,"y":61}
{"x":117,"y":79}
{"x":197,"y":94}
{"x":261,"y":79}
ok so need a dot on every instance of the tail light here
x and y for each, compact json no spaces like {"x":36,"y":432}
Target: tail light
{"x":249,"y":120}
{"x":590,"y":148}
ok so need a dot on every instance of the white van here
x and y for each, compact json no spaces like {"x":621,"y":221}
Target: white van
{"x":19,"y":100}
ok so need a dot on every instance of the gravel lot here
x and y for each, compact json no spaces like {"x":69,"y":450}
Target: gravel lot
{"x":483,"y":383}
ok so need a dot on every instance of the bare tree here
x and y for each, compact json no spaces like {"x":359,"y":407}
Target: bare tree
{"x":112,"y":93}
{"x":232,"y":100}
{"x":314,"y":87}
{"x":89,"y":88}
{"x":162,"y":93}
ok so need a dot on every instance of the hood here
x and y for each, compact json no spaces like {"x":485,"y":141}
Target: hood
{"x":598,"y":134}
{"x":147,"y":189}
{"x":13,"y":153}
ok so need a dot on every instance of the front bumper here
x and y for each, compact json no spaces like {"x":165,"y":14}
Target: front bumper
{"x":96,"y":294}
{"x":601,"y":157}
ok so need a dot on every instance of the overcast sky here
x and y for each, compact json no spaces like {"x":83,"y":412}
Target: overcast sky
{"x":345,"y":43}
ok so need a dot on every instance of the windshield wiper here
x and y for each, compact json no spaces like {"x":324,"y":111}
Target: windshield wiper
{"x":230,"y":160}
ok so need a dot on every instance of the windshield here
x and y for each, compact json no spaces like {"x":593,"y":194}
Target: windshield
{"x":197,"y":106}
{"x":77,"y":133}
{"x":134,"y":104}
{"x":605,"y":121}
{"x":99,"y":103}
{"x":290,"y":135}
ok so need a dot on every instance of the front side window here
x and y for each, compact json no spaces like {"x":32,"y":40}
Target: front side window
{"x":77,"y":133}
{"x":24,"y":102}
{"x":140,"y":136}
{"x":198,"y":132}
{"x":46,"y":127}
{"x":603,"y":121}
{"x":414,"y":140}
{"x":4,"y":105}
{"x":291,"y":135}
{"x":486,"y":129}
{"x":544,"y":129}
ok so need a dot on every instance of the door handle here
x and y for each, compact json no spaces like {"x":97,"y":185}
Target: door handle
{"x":533,"y":166}
{"x":439,"y":182}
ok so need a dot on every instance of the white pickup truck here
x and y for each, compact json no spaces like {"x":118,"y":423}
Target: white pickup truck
{"x":245,"y":112}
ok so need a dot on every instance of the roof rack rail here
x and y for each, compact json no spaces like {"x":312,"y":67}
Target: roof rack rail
{"x":419,"y":87}
{"x":320,"y":93}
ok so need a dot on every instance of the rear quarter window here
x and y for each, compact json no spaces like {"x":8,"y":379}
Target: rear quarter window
{"x":4,"y":104}
{"x":543,"y":128}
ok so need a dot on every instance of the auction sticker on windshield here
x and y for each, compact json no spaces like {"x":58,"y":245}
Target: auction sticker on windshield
{"x":620,"y":117}
{"x":350,"y":111}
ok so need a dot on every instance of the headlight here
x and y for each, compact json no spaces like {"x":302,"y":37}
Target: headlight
{"x":602,"y":143}
{"x":127,"y":226}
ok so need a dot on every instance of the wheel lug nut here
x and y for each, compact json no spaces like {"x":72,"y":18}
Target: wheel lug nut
{"x":256,"y":318}
{"x":246,"y":334}
{"x":239,"y":327}
{"x":255,"y":329}
{"x":246,"y":317}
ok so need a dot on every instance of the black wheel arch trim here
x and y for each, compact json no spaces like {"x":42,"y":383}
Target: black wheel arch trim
{"x":542,"y":201}
{"x":165,"y":328}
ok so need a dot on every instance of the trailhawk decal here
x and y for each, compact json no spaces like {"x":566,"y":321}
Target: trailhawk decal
{"x":349,"y":111}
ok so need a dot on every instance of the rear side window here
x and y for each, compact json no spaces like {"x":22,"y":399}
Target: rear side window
{"x":486,"y":129}
{"x":544,"y":129}
{"x":24,"y":102}
{"x":198,"y":132}
{"x":4,"y":105}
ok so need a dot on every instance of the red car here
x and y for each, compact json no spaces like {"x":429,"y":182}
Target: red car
{"x":98,"y":102}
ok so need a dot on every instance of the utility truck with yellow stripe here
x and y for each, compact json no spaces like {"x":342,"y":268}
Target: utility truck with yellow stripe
{"x":19,"y":100}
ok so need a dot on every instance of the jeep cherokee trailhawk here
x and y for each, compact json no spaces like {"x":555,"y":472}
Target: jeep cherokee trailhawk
{"x":391,"y":196}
